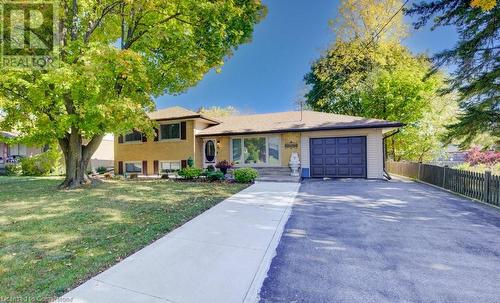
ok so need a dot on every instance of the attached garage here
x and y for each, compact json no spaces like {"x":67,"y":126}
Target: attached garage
{"x":338,"y":157}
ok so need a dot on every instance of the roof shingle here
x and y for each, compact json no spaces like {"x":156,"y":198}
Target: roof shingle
{"x":291,"y":121}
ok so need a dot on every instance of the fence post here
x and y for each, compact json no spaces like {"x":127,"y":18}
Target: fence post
{"x":445,"y":168}
{"x":418,"y":174}
{"x":486,"y":186}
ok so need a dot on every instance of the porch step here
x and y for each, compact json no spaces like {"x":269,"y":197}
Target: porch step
{"x":276,"y":174}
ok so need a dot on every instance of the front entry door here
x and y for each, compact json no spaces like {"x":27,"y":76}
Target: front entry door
{"x":209,"y":152}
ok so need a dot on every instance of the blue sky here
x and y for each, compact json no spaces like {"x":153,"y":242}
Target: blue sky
{"x":266,"y":75}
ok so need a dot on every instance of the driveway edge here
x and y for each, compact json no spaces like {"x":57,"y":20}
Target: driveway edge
{"x":252,"y":295}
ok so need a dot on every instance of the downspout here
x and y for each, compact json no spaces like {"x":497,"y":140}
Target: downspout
{"x":384,"y":153}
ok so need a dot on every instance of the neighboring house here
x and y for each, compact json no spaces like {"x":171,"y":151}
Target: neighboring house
{"x":12,"y":152}
{"x":104,"y":155}
{"x":329,"y":145}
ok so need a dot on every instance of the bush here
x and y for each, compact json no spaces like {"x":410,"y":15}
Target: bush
{"x":101,"y":170}
{"x":190,"y":173}
{"x":210,"y":168}
{"x":245,"y":175}
{"x":133,"y":176}
{"x":215,"y":175}
{"x":12,"y":169}
{"x":41,"y":164}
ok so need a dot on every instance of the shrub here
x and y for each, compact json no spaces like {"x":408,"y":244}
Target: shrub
{"x":101,"y":170}
{"x":475,"y":156}
{"x":245,"y":175}
{"x":190,"y":173}
{"x":12,"y":169}
{"x":210,"y":168}
{"x":133,"y":176}
{"x":215,"y":175}
{"x":41,"y":164}
{"x":164,"y":176}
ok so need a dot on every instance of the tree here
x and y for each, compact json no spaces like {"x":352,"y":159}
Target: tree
{"x":360,"y":19}
{"x":476,"y":61}
{"x":403,"y":93}
{"x":115,"y":56}
{"x":218,"y":111}
{"x":335,"y":77}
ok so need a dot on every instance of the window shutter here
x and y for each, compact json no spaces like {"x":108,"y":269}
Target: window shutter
{"x":120,"y":167}
{"x":144,"y":167}
{"x":157,"y":135}
{"x":144,"y":138}
{"x":120,"y":139}
{"x":183,"y":130}
{"x":155,"y":167}
{"x":183,"y":163}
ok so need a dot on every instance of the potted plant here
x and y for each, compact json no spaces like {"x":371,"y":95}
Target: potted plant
{"x":224,"y":165}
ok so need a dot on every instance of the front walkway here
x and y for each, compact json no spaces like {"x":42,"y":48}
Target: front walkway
{"x":220,"y":256}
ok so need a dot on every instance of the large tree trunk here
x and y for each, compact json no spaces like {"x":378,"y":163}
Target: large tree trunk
{"x":77,"y":157}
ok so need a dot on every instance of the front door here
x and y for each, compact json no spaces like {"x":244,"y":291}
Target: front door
{"x":209,"y":152}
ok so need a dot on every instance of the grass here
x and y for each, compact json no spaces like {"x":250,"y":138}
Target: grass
{"x":51,"y":241}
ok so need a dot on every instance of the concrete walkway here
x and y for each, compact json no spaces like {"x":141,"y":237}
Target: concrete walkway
{"x":220,"y":256}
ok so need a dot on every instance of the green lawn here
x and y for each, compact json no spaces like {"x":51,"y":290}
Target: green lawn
{"x":50,"y":240}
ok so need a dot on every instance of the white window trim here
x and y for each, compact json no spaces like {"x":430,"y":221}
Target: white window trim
{"x":242,"y":160}
{"x":169,"y":161}
{"x":131,"y":162}
{"x":171,"y":139}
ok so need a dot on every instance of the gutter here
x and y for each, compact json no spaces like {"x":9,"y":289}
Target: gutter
{"x":386,"y":174}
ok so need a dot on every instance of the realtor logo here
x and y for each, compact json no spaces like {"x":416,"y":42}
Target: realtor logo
{"x":28,"y":34}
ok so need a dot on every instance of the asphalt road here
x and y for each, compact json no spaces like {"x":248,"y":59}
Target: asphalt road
{"x":379,"y":241}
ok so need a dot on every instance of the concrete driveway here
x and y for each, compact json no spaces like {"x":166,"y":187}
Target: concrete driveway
{"x":379,"y":241}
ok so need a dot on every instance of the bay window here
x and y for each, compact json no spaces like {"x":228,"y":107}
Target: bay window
{"x":256,"y":151}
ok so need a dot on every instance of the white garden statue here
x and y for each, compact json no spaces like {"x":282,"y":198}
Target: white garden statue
{"x":294,"y":164}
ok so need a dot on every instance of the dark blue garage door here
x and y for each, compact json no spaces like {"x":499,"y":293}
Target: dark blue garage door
{"x":343,"y":157}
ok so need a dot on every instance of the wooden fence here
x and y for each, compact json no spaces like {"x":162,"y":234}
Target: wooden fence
{"x":481,"y":186}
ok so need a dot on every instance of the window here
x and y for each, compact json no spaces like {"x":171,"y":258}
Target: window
{"x":274,"y":150}
{"x":168,"y":166}
{"x":170,"y":131}
{"x":133,"y":137}
{"x":237,"y":151}
{"x":255,"y":151}
{"x":133,"y":167}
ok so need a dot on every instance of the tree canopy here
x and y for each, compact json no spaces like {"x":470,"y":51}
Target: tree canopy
{"x":380,"y":78}
{"x":475,"y":59}
{"x":115,"y":56}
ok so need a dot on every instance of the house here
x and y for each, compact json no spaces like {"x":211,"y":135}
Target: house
{"x":329,"y":145}
{"x":12,"y":152}
{"x":103,"y":156}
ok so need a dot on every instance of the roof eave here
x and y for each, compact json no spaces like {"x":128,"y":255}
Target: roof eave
{"x":382,"y":125}
{"x":188,"y":117}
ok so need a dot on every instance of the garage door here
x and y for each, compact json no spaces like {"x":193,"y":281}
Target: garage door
{"x":343,"y":157}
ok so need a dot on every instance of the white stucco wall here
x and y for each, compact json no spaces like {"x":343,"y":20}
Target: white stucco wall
{"x":374,"y":148}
